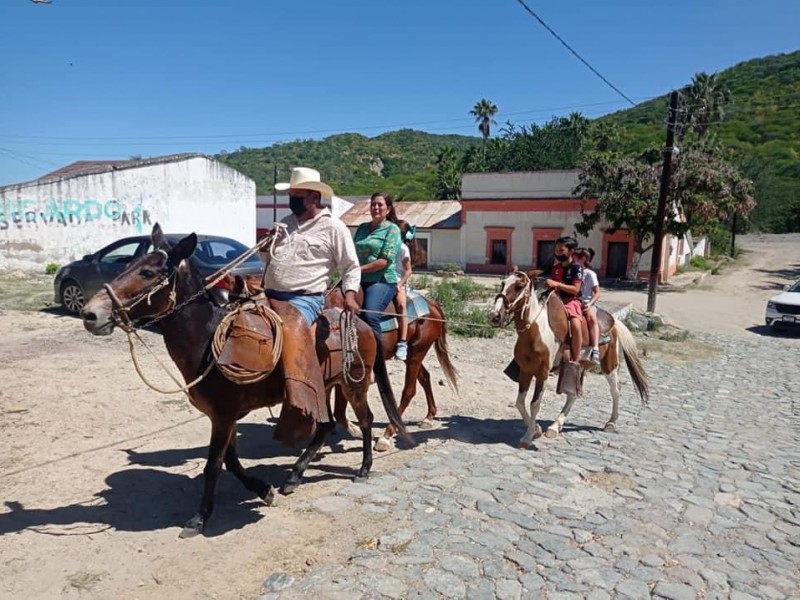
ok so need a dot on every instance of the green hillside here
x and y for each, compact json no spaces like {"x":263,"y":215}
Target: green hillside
{"x":401,"y":162}
{"x":761,"y":130}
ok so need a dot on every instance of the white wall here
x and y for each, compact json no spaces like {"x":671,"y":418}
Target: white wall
{"x":523,"y":223}
{"x":524,"y":184}
{"x":59,"y":221}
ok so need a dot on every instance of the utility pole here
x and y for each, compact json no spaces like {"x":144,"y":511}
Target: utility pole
{"x":666,"y":172}
{"x":275,"y":196}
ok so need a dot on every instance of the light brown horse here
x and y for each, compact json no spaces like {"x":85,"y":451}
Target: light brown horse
{"x":539,"y":350}
{"x":424,"y":332}
{"x":163,"y":285}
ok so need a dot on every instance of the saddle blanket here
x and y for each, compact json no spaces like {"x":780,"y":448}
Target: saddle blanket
{"x":416,"y":307}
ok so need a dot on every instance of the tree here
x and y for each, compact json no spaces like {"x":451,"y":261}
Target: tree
{"x":705,"y":101}
{"x":483,"y":111}
{"x":703,"y":190}
{"x":448,"y":175}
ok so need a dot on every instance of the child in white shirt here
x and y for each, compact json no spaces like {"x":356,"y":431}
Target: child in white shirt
{"x":403,"y":266}
{"x":590,"y":294}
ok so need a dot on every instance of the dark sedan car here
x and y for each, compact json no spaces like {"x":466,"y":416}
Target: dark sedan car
{"x":80,"y":280}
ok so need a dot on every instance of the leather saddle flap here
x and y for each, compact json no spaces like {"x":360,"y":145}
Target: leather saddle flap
{"x":605,"y":320}
{"x":557,"y":316}
{"x":250,"y":340}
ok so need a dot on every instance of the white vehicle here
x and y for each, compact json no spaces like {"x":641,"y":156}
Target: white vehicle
{"x":783,"y":310}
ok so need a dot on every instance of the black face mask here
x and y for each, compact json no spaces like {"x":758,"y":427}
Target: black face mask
{"x":562,"y":257}
{"x":297,"y":205}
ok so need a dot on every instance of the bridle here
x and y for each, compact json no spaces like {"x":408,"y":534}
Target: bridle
{"x":120,"y":312}
{"x":524,"y":298}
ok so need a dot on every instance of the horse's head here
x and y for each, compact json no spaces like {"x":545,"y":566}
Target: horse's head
{"x":515,"y":289}
{"x":146,"y":289}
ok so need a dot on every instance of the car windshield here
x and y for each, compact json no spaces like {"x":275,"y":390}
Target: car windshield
{"x":795,"y":287}
{"x":221,"y":251}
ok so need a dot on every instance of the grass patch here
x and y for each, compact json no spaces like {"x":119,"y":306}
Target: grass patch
{"x":421,"y":282}
{"x":30,"y":294}
{"x":677,"y":349}
{"x":457,"y":297}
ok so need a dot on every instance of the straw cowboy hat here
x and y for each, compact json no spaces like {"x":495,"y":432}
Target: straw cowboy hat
{"x":304,"y":178}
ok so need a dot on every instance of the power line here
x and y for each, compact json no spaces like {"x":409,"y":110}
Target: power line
{"x":243,"y":136}
{"x":578,"y":56}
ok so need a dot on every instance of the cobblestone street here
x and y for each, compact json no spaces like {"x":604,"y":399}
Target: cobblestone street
{"x":697,"y":495}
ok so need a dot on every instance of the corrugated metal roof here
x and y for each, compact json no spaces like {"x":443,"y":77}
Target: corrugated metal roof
{"x":434,"y":214}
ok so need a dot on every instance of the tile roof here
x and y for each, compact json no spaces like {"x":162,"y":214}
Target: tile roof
{"x":434,"y":214}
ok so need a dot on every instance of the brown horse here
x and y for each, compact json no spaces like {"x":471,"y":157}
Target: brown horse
{"x":426,"y":331}
{"x":163,"y":285}
{"x":539,"y":350}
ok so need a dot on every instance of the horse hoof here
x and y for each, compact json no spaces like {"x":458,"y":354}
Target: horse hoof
{"x":551,"y":433}
{"x":610,"y":426}
{"x":354,"y":431}
{"x":523,"y":445}
{"x":427,"y":424}
{"x":193,"y":527}
{"x":268,"y":496}
{"x":288,"y":487}
{"x":382,"y":445}
{"x":359,"y":477}
{"x":538,"y":433}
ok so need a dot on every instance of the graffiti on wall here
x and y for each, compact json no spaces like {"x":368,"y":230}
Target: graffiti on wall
{"x":31,"y":213}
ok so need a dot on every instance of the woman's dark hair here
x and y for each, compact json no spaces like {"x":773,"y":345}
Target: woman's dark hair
{"x":392,"y":216}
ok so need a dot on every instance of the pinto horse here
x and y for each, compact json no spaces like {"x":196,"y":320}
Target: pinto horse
{"x":422,"y":334}
{"x":538,"y":351}
{"x":163,"y":285}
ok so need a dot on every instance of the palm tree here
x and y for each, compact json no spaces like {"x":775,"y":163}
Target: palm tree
{"x":483,"y":112}
{"x":705,"y":102}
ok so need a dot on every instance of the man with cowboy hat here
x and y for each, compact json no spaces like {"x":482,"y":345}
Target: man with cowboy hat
{"x":312,"y":245}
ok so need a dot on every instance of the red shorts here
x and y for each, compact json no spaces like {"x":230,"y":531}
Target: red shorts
{"x":574,"y":308}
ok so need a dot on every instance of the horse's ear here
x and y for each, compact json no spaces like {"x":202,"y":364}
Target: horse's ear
{"x":184,"y":248}
{"x":157,"y":237}
{"x":534,"y":273}
{"x":514,"y":268}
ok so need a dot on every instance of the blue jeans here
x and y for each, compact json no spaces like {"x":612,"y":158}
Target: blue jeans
{"x":310,"y":306}
{"x":377,"y":296}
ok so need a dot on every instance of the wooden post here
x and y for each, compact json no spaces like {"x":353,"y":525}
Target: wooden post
{"x":733,"y":235}
{"x":274,"y":197}
{"x":658,"y":242}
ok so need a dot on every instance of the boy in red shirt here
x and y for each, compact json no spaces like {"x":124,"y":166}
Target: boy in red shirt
{"x":567,"y":278}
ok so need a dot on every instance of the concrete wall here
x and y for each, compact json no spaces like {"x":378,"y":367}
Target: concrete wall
{"x":59,"y":221}
{"x":444,"y":245}
{"x":524,"y":184}
{"x":522,"y":226}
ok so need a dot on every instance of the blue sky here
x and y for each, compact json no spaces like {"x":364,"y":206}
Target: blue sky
{"x":95,"y":79}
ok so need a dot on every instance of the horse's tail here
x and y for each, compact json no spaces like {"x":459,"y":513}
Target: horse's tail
{"x":640,"y":379}
{"x":385,"y":390}
{"x":443,"y":356}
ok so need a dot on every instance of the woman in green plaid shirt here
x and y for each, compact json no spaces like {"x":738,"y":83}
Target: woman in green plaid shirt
{"x":377,"y":243}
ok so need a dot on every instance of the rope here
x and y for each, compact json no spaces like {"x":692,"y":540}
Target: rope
{"x":238,"y":374}
{"x":181,"y":388}
{"x":350,"y":352}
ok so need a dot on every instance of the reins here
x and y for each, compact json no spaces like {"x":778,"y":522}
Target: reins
{"x":120,"y":312}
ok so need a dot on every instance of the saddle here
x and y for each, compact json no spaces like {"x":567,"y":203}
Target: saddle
{"x":249,"y":342}
{"x":559,"y":322}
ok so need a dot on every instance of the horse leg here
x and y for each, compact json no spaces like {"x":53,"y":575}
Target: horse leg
{"x":340,"y":412}
{"x":220,"y":438}
{"x":261,"y":488}
{"x":424,"y":378}
{"x":613,"y":386}
{"x":525,"y":379}
{"x":558,"y":424}
{"x":358,"y":400}
{"x":323,"y":430}
{"x":413,"y":365}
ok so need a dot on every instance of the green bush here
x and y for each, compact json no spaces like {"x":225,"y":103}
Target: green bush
{"x":450,"y":268}
{"x":463,"y":318}
{"x":51,"y":269}
{"x":421,"y":282}
{"x":699,"y":262}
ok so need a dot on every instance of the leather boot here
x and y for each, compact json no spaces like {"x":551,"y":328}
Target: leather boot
{"x":305,"y":403}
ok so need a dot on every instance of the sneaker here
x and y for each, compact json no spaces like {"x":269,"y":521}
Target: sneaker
{"x":594,"y":356}
{"x":401,"y":352}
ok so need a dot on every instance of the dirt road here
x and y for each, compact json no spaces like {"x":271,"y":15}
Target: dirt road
{"x":98,"y":473}
{"x":732,"y":302}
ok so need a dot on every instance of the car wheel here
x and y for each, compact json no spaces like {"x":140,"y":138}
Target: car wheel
{"x":72,"y":297}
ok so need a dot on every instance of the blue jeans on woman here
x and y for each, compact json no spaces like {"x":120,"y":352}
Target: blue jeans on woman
{"x":377,"y":296}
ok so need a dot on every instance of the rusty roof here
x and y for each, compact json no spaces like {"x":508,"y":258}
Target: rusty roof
{"x":433,"y":214}
{"x":91,"y":167}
